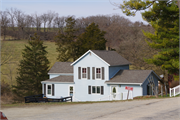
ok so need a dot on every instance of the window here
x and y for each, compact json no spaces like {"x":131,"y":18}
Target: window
{"x":84,"y":73}
{"x":98,"y":73}
{"x":71,"y":90}
{"x":96,"y":89}
{"x":49,"y":89}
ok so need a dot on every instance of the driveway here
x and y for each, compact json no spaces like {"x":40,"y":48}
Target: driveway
{"x":152,"y":109}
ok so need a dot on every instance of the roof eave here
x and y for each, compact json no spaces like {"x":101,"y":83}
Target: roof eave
{"x":57,"y":82}
{"x":121,"y":65}
{"x":60,"y":73}
{"x":86,"y":54}
{"x":123,"y":83}
{"x":154,"y":74}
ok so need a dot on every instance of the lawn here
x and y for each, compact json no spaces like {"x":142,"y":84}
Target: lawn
{"x":17,"y":46}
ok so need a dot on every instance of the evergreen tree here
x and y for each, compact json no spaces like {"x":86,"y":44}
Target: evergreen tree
{"x":65,"y":41}
{"x":91,"y":39}
{"x":164,"y":18}
{"x":33,"y":68}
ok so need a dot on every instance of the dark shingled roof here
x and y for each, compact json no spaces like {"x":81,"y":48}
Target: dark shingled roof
{"x":61,"y":67}
{"x":111,"y":57}
{"x":61,"y":78}
{"x":130,"y":76}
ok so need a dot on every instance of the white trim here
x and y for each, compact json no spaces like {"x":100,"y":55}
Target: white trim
{"x":101,"y":59}
{"x":58,"y":82}
{"x":100,"y":73}
{"x":69,"y":90}
{"x":150,"y":74}
{"x":47,"y":90}
{"x":60,"y":73}
{"x":156,"y":75}
{"x":95,"y":90}
{"x":111,"y":92}
{"x":82,"y":73}
{"x":123,"y":83}
{"x":93,"y":54}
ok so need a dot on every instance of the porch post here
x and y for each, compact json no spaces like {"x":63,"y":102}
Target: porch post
{"x":170,"y":92}
{"x":161,"y":90}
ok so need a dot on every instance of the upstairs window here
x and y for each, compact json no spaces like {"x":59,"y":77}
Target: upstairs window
{"x":98,"y":73}
{"x":84,"y":73}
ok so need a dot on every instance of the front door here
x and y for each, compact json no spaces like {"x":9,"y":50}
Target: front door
{"x":114,"y":92}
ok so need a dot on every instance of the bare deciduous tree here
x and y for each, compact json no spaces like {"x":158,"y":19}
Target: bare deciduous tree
{"x":7,"y":53}
{"x":50,"y":16}
{"x":12,"y":22}
{"x":37,"y":20}
{"x":59,"y":22}
{"x":4,"y":23}
{"x":10,"y":71}
{"x":20,"y":22}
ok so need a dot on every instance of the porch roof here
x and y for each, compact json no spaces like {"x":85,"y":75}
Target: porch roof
{"x":61,"y":79}
{"x":130,"y":76}
{"x":61,"y":67}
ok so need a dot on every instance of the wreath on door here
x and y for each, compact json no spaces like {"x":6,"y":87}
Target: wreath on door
{"x":114,"y":91}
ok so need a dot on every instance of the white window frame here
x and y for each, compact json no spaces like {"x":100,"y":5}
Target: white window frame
{"x":96,"y":90}
{"x":83,"y":73}
{"x":69,"y":89}
{"x":98,"y":73}
{"x":47,"y":90}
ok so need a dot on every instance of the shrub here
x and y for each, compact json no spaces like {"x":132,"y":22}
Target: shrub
{"x":174,"y":84}
{"x":5,"y":88}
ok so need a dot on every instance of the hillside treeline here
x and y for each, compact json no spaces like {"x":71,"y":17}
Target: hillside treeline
{"x":122,"y":35}
{"x":16,"y":25}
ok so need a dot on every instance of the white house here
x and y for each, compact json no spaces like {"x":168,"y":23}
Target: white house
{"x":96,"y":76}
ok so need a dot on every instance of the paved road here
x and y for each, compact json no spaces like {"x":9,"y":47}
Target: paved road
{"x":154,"y":109}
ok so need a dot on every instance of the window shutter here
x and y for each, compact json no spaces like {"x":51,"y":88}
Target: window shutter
{"x":102,"y":73}
{"x":79,"y":72}
{"x":89,"y":89}
{"x":88,"y":70}
{"x":93,"y":73}
{"x":44,"y":90}
{"x":53,"y":89}
{"x":102,"y":90}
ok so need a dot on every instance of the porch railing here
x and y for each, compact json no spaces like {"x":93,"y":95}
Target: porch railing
{"x":174,"y":91}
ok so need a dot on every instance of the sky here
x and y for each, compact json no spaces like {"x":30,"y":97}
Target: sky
{"x":79,"y":8}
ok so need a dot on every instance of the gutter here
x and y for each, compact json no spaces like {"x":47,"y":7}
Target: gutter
{"x":58,"y":82}
{"x":123,"y":83}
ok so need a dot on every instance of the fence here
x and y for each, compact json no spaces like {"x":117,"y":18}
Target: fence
{"x":39,"y":98}
{"x":174,"y":91}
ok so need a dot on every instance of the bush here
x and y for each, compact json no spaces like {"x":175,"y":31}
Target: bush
{"x":6,"y":93}
{"x":5,"y":88}
{"x":174,"y":84}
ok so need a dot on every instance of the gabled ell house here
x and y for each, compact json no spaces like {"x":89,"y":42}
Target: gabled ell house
{"x":98,"y":75}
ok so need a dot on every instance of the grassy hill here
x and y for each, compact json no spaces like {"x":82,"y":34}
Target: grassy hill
{"x":9,"y":71}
